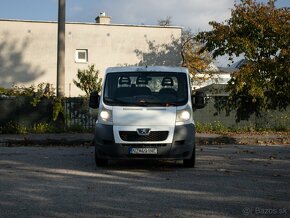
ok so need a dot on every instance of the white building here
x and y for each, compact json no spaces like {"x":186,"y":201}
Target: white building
{"x":213,"y":75}
{"x":28,"y":49}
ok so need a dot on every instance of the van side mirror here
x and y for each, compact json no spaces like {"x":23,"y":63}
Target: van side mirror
{"x":199,"y":100}
{"x":94,"y":100}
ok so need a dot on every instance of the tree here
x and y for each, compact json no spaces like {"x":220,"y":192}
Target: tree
{"x":260,"y":32}
{"x":190,"y":50}
{"x":88,"y":80}
{"x":193,"y":58}
{"x":165,"y":22}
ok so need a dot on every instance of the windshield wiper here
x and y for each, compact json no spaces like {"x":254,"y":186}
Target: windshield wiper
{"x":114,"y":100}
{"x":118,"y":101}
{"x":159,"y":104}
{"x":168,"y":104}
{"x":141,"y":103}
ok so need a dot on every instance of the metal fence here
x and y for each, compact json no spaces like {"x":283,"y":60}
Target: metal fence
{"x":78,"y":113}
{"x":20,"y":110}
{"x":271,"y":119}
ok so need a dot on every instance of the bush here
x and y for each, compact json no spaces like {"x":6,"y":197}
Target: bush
{"x":88,"y":80}
{"x":14,"y":128}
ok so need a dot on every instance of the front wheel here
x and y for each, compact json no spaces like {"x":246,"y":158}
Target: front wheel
{"x":190,"y":163}
{"x":100,"y":162}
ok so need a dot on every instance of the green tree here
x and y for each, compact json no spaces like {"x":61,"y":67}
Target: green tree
{"x":88,"y":80}
{"x":260,"y":32}
{"x":194,"y":58}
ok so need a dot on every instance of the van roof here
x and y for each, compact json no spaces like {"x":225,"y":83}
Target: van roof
{"x":147,"y":68}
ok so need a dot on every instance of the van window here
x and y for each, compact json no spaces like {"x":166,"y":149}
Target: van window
{"x":146,"y":89}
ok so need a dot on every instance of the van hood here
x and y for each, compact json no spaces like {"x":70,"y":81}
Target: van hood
{"x":144,"y":116}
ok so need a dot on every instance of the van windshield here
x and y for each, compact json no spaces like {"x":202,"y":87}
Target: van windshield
{"x":146,"y":89}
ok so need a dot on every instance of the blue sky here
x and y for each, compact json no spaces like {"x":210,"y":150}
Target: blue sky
{"x":194,"y":14}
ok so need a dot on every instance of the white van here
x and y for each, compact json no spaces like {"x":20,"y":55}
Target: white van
{"x":145,"y":113}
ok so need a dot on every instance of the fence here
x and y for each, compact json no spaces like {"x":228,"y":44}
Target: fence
{"x":272,"y":119}
{"x":77,"y":113}
{"x":19,"y":110}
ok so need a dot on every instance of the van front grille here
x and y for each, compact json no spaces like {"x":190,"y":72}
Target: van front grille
{"x":133,"y":136}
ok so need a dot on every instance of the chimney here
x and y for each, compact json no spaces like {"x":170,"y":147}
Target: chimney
{"x":103,"y":19}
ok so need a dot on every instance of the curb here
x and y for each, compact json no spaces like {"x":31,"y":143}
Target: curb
{"x":279,"y":138}
{"x":85,"y":139}
{"x":61,"y":139}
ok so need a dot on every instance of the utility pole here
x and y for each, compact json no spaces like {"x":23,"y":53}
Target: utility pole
{"x":61,"y":50}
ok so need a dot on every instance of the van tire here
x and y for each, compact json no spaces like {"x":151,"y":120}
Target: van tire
{"x":190,"y":163}
{"x":99,"y":161}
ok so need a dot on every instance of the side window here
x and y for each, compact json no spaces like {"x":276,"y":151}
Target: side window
{"x":81,"y":56}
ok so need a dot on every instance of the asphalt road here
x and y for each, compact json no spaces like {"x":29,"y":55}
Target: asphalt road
{"x":228,"y":181}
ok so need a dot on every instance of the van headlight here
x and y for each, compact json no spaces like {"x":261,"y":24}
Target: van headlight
{"x":183,"y":116}
{"x":106,"y":116}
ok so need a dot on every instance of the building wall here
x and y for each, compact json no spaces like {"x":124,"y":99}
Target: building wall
{"x":28,"y":49}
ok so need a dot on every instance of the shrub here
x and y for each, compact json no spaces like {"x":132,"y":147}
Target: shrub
{"x":88,"y":80}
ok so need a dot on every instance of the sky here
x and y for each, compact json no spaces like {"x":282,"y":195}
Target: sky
{"x":193,"y":14}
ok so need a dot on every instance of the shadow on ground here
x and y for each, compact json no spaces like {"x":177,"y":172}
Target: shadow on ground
{"x":64,"y":182}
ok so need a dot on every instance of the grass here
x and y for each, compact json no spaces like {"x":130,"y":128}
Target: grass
{"x":41,"y":128}
{"x":218,"y":127}
{"x":215,"y":127}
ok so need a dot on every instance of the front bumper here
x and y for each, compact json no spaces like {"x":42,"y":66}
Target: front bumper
{"x":181,"y":147}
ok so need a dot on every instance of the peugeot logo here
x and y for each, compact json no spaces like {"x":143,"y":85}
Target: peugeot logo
{"x":145,"y":131}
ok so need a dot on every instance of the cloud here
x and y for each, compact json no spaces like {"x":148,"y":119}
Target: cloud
{"x":187,"y":13}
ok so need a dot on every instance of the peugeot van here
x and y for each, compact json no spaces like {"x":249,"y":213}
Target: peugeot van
{"x":145,"y":113}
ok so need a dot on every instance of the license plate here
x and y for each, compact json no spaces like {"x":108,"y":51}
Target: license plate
{"x":142,"y":150}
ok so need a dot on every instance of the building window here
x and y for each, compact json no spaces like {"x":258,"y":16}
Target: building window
{"x":81,"y":56}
